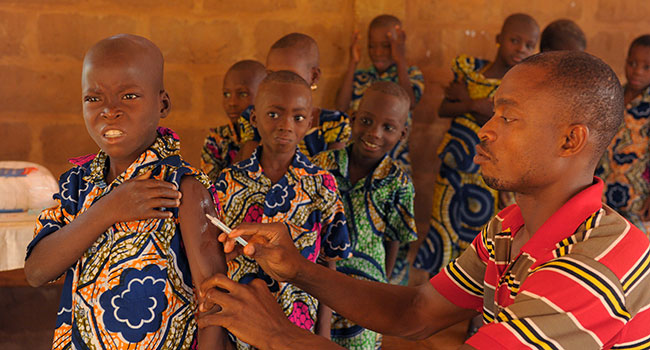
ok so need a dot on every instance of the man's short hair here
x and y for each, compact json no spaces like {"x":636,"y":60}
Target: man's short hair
{"x":303,"y":43}
{"x":588,"y":90}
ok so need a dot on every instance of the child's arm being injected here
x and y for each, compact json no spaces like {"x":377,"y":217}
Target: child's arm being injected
{"x":397,"y":40}
{"x":203,"y":250}
{"x":136,"y":199}
{"x":344,"y":96}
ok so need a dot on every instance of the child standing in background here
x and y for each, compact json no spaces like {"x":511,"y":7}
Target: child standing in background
{"x":624,"y":167}
{"x":298,"y":53}
{"x":462,"y":202}
{"x":129,"y":228}
{"x":377,"y":195}
{"x":387,"y":51}
{"x":222,"y":143}
{"x":277,"y":183}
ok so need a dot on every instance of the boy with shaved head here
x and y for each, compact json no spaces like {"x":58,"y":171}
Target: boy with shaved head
{"x":222,"y":144}
{"x":557,"y":270}
{"x":129,"y":228}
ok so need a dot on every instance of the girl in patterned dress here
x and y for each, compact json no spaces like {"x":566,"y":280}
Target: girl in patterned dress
{"x":277,"y":183}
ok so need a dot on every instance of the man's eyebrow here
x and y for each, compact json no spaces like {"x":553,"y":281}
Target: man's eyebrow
{"x":506,"y":101}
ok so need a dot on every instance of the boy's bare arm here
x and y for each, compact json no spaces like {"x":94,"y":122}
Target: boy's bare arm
{"x":398,"y":53}
{"x":413,"y":312}
{"x":204,"y":251}
{"x":136,"y":199}
{"x":345,"y":93}
{"x":324,"y":318}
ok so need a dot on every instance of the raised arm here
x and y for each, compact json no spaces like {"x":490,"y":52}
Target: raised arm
{"x":398,"y":53}
{"x":344,"y":96}
{"x":204,"y":252}
{"x":135,"y":199}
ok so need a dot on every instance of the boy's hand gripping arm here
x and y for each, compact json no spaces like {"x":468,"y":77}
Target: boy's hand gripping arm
{"x":135,"y":199}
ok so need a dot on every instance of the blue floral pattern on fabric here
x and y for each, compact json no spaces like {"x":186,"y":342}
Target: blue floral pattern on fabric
{"x":134,"y":307}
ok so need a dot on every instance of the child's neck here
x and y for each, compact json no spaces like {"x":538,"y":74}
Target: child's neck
{"x":275,"y":165}
{"x":630,"y":94}
{"x":497,"y":69}
{"x":359,"y":167}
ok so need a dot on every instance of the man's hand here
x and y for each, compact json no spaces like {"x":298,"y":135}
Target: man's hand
{"x":270,"y":245}
{"x":397,"y":40}
{"x":249,"y":312}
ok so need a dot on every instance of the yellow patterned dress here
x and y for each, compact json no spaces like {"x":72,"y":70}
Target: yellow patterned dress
{"x":132,"y":288}
{"x":219,"y":150}
{"x":624,"y":166}
{"x":462,"y":202}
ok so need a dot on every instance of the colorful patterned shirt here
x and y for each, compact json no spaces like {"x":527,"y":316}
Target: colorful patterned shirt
{"x":580,"y":282}
{"x":379,"y":208}
{"x":462,"y":202}
{"x":307,"y":200}
{"x":333,"y":127}
{"x":133,"y":285}
{"x":626,"y":161}
{"x":363,"y":78}
{"x":219,"y":150}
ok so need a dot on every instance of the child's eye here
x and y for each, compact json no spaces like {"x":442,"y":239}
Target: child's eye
{"x":91,"y":99}
{"x":366,"y":121}
{"x":514,"y":41}
{"x":243,"y":94}
{"x":631,"y":64}
{"x":299,"y":118}
{"x":389,"y":128}
{"x":130,"y":96}
{"x":273,"y":115}
{"x":226,"y":94}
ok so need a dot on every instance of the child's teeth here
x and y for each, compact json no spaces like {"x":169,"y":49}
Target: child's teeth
{"x":113,"y":133}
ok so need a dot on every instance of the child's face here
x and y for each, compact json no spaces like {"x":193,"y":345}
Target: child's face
{"x":122,"y":105}
{"x":378,"y":125}
{"x":517,"y":41}
{"x":238,"y":94}
{"x":289,"y":60}
{"x":637,"y":67}
{"x":282,"y":115}
{"x":379,"y":47}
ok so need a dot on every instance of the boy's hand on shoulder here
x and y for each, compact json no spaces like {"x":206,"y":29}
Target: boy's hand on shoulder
{"x":397,"y":40}
{"x":355,"y":53}
{"x":141,"y":198}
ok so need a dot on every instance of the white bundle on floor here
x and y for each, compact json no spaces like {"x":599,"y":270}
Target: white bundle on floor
{"x":25,"y":186}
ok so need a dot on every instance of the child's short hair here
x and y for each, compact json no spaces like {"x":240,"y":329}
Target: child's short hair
{"x":248,"y":65}
{"x":643,"y":40}
{"x":560,"y":34}
{"x":305,"y":44}
{"x":589,"y":88}
{"x":384,"y":21}
{"x":390,"y":88}
{"x":285,"y":77}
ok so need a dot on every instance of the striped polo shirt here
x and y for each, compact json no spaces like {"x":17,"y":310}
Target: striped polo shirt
{"x":581,"y":282}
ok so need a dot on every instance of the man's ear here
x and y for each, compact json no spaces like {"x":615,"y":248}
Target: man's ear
{"x":405,"y":132}
{"x":253,"y":118}
{"x":497,"y":39}
{"x":574,"y":140}
{"x":165,"y":104}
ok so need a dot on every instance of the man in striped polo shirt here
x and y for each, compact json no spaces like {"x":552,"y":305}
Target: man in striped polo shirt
{"x":558,"y":270}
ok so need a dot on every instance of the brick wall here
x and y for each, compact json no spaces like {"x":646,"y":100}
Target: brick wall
{"x":42,"y":43}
